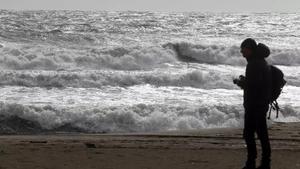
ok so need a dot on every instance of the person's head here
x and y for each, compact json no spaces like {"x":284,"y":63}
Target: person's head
{"x":248,"y":47}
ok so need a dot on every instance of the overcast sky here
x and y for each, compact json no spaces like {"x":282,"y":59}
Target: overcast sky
{"x":158,"y":5}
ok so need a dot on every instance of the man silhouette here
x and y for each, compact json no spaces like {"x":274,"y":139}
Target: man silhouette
{"x":257,"y":92}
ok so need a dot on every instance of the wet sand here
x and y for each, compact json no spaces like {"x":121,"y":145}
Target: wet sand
{"x":209,"y":149}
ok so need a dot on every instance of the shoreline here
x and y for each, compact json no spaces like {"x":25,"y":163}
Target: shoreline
{"x":221,"y":148}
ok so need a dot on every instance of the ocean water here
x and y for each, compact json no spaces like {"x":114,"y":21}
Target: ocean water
{"x":95,"y":71}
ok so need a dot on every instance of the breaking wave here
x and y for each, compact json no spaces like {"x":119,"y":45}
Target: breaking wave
{"x":98,"y":79}
{"x":41,"y":58}
{"x":130,"y":58}
{"x":139,"y":118}
{"x":215,"y":54}
{"x":17,"y":118}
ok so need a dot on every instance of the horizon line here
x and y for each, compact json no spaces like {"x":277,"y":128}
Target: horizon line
{"x":154,"y":11}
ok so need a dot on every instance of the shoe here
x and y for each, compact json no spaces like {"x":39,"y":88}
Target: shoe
{"x":265,"y":164}
{"x":264,"y":167}
{"x":249,"y":165}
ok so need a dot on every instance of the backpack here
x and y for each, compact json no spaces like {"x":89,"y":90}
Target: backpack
{"x":276,"y":88}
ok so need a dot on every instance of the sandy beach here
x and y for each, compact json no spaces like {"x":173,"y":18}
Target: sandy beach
{"x":210,"y":148}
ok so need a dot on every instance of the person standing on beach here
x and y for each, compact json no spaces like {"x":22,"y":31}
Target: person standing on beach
{"x":257,"y":93}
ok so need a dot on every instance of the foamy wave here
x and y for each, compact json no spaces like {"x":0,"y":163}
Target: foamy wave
{"x":214,"y":54}
{"x":211,"y":54}
{"x":98,"y":79}
{"x":53,"y":58}
{"x":288,"y":57}
{"x":47,"y":57}
{"x":198,"y":78}
{"x":139,"y":118}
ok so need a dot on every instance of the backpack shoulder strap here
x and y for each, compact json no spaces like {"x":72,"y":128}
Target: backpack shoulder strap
{"x":276,"y":108}
{"x":270,"y":109}
{"x":274,"y":105}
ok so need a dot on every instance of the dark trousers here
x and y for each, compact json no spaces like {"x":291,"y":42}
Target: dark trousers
{"x":255,"y":122}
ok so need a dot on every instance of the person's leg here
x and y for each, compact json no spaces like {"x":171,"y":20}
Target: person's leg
{"x":262,"y":132}
{"x":249,"y":136}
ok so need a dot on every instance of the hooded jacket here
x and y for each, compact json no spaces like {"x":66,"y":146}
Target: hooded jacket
{"x":257,"y":86}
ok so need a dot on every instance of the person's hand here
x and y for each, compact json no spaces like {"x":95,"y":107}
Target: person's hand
{"x":239,"y":81}
{"x":242,"y":78}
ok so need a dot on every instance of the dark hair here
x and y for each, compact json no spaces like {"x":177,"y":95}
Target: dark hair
{"x":262,"y":50}
{"x":249,"y":43}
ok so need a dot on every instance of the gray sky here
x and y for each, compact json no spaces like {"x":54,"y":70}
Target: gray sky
{"x":159,"y":5}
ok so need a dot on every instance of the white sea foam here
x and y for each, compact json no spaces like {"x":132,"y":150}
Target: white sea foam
{"x":197,"y":77}
{"x":134,"y":109}
{"x":215,"y":54}
{"x":138,"y":118}
{"x":192,"y":75}
{"x":41,"y":57}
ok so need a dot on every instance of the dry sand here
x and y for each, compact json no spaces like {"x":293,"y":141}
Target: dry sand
{"x":201,"y":149}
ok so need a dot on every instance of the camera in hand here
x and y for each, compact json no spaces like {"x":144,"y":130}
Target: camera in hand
{"x":239,"y":81}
